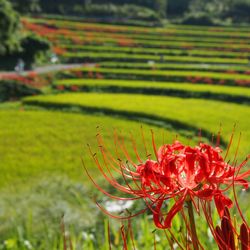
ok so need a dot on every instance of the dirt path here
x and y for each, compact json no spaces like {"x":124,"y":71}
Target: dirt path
{"x":47,"y":69}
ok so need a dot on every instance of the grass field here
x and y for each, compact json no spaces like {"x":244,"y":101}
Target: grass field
{"x":157,"y":51}
{"x":140,"y":57}
{"x":232,"y":32}
{"x":45,"y":142}
{"x":186,"y":66}
{"x":223,"y":93}
{"x":191,"y":112}
{"x":169,"y":75}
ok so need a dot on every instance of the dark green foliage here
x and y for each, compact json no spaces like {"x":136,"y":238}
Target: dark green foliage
{"x":161,"y":7}
{"x":217,"y":11}
{"x":199,"y":18}
{"x":34,"y":47}
{"x":9,"y":28}
{"x":177,"y":7}
{"x":11,"y":90}
{"x":189,"y":11}
{"x":121,"y":11}
{"x":27,"y":6}
{"x":12,"y":44}
{"x":240,"y":11}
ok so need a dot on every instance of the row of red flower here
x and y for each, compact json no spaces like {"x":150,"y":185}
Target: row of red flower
{"x":31,"y":79}
{"x":55,"y":33}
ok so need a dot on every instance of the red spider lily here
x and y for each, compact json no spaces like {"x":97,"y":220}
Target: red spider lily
{"x":90,"y":74}
{"x":242,"y":82}
{"x":77,"y":73}
{"x":222,"y":82}
{"x":99,"y":75}
{"x":227,"y":236}
{"x":60,"y":87}
{"x":59,"y":51}
{"x":125,"y":42}
{"x":208,"y":80}
{"x":31,"y":79}
{"x":179,"y":172}
{"x":183,"y":173}
{"x":74,"y":88}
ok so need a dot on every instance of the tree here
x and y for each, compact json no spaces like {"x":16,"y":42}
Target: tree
{"x":161,"y":7}
{"x":212,"y":8}
{"x":10,"y":35}
{"x":27,"y":6}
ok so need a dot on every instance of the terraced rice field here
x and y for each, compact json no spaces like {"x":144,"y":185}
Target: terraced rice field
{"x":210,"y":64}
{"x":191,"y":114}
{"x":196,"y":55}
{"x":176,"y":80}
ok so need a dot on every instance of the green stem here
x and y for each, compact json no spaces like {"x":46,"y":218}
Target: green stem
{"x":192,"y":225}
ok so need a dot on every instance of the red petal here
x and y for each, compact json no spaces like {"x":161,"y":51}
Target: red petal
{"x":170,"y":215}
{"x":157,"y":215}
{"x":228,"y":234}
{"x":244,"y":237}
{"x":242,"y":182}
{"x":173,"y":211}
{"x":220,"y":238}
{"x":206,"y":194}
{"x":221,"y":201}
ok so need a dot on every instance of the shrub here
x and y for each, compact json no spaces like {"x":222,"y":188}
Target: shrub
{"x":198,"y":19}
{"x":10,"y":90}
{"x":240,"y":11}
{"x":34,"y":49}
{"x":129,"y":11}
{"x":9,"y":29}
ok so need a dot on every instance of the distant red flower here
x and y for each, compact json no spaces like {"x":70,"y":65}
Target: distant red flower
{"x":90,"y":74}
{"x":222,"y":82}
{"x":74,"y":88}
{"x":227,"y":236}
{"x":58,"y":50}
{"x":60,"y":87}
{"x":99,"y":75}
{"x":179,"y":172}
{"x":208,"y":80}
{"x":32,"y":75}
{"x":78,"y":73}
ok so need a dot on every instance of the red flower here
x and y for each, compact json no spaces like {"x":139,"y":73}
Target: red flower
{"x":183,"y":173}
{"x":74,"y":88}
{"x":60,"y":87}
{"x":179,"y":172}
{"x":227,"y":236}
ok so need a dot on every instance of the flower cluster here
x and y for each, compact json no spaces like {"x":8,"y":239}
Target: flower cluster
{"x":197,"y":175}
{"x":185,"y":173}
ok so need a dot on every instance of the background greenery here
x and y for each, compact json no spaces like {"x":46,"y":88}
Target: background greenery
{"x":187,"y":11}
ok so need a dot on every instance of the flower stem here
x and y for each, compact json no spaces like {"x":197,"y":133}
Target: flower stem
{"x":192,"y":225}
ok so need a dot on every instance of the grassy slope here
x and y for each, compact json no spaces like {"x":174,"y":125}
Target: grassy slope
{"x":140,"y":50}
{"x":159,"y":37}
{"x":174,"y":73}
{"x":194,"y":66}
{"x":170,"y":58}
{"x":233,"y":33}
{"x":199,"y":113}
{"x":214,"y":89}
{"x":34,"y":143}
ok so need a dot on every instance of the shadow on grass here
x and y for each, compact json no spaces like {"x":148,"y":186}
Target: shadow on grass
{"x":150,"y":119}
{"x":239,"y":99}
